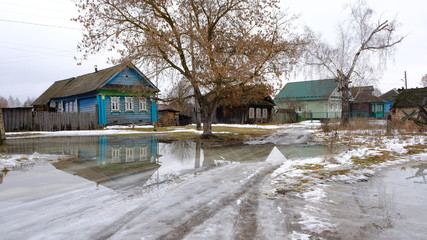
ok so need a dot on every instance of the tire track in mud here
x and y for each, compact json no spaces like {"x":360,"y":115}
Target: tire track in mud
{"x":246,"y":225}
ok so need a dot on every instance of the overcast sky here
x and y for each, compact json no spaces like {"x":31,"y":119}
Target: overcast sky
{"x":38,"y":41}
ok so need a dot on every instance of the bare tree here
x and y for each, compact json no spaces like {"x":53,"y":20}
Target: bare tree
{"x":3,"y":102}
{"x":180,"y":95}
{"x":14,"y":102}
{"x":28,"y":102}
{"x":359,"y":56}
{"x":214,"y":45}
{"x":424,"y":81}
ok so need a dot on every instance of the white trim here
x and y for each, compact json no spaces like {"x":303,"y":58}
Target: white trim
{"x":129,"y":104}
{"x":115,"y":104}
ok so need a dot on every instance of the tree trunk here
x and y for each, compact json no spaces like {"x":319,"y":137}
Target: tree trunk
{"x":345,"y":114}
{"x":207,"y":126}
{"x":207,"y":121}
{"x":2,"y":129}
{"x":345,"y":100}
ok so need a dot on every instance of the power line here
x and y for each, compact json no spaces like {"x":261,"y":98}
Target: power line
{"x":26,"y":50}
{"x":32,"y":46}
{"x":35,"y":6}
{"x":39,"y":24}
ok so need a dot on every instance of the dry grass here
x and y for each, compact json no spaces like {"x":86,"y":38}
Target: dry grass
{"x":416,"y":149}
{"x":383,"y":156}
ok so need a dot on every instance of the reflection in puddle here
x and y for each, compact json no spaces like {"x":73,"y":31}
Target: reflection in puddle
{"x":123,"y":162}
{"x":419,"y":173}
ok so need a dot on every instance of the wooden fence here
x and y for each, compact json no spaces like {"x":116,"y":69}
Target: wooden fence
{"x":284,"y":116}
{"x":24,"y":119}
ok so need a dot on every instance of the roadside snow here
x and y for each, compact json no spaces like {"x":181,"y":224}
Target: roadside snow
{"x":14,"y":161}
{"x":308,"y":178}
{"x":303,"y":124}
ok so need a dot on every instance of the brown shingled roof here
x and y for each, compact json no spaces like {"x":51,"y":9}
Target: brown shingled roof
{"x":364,"y":95}
{"x":411,"y":98}
{"x":79,"y":85}
{"x":390,"y":95}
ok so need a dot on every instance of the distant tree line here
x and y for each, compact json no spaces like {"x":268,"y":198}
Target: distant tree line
{"x":424,"y":81}
{"x":12,"y":102}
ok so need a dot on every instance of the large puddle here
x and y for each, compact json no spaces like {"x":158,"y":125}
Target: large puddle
{"x":126,"y":162}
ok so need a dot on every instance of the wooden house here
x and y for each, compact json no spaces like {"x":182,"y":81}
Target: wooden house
{"x":407,"y":106}
{"x":112,"y":93}
{"x":365,"y":103}
{"x":246,"y":105}
{"x":389,"y":98}
{"x":316,"y":99}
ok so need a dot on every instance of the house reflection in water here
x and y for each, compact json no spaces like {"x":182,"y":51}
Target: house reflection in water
{"x":116,"y":162}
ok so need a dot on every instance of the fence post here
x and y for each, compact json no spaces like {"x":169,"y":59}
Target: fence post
{"x":2,"y":129}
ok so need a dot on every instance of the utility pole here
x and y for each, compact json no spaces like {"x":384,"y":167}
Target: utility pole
{"x":406,"y":81}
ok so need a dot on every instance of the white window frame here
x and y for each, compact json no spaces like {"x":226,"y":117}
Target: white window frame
{"x":61,"y":106}
{"x":264,"y":113}
{"x":258,"y":113}
{"x":142,"y":105}
{"x":378,"y":108}
{"x":129,"y":155}
{"x":129,"y":104}
{"x":251,"y":113}
{"x":143,"y":156}
{"x":115,"y":155}
{"x":76,"y":106}
{"x":115,"y":104}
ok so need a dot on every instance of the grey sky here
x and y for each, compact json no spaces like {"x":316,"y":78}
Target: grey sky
{"x":38,"y":41}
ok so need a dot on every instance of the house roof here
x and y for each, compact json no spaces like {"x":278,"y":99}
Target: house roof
{"x":365,"y":89}
{"x":364,"y":95}
{"x":308,"y":90}
{"x":390,"y":95}
{"x":166,"y":108}
{"x":411,"y":98}
{"x":81,"y":84}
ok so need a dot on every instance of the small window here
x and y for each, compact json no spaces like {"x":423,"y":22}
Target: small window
{"x":143,"y":154}
{"x":264,"y":113}
{"x":129,"y":104}
{"x":115,"y":155}
{"x":75,"y":108}
{"x":60,"y":106}
{"x":251,"y":113}
{"x":115,"y":104}
{"x":378,"y":108}
{"x":129,"y":154}
{"x":142,"y":104}
{"x":258,"y":113}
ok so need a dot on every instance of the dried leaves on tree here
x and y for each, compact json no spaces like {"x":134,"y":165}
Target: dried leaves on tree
{"x":214,"y":45}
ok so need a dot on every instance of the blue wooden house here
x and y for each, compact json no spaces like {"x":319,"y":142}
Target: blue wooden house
{"x":111,"y":93}
{"x":389,"y":98}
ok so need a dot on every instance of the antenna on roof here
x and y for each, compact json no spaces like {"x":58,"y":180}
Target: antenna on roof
{"x":96,"y":68}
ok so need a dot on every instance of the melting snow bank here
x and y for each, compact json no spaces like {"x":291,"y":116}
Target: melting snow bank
{"x":306,"y":183}
{"x":17,"y":161}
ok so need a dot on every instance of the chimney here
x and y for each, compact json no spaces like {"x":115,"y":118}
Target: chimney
{"x":96,"y":68}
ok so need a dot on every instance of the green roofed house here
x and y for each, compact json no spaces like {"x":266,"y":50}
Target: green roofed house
{"x":316,"y":99}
